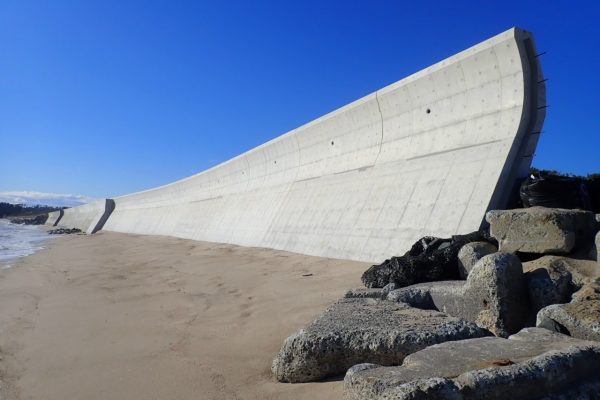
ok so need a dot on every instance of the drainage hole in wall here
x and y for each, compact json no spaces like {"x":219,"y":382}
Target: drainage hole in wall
{"x":428,"y":111}
{"x":332,"y":142}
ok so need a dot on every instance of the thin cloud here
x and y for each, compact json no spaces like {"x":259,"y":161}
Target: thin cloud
{"x":44,"y":199}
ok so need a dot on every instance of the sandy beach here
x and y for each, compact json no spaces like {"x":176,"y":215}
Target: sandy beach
{"x":116,"y":316}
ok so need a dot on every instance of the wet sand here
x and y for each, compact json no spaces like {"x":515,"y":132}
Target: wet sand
{"x":115,"y":316}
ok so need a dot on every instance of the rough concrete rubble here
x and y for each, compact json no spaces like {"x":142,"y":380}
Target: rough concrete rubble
{"x":359,"y":330}
{"x":470,"y":253}
{"x":399,"y":340}
{"x":582,"y":271}
{"x":529,"y":365}
{"x":580,"y":319}
{"x":494,"y":295}
{"x":550,"y":284}
{"x":553,"y":279}
{"x":541,"y":230}
{"x":590,"y":291}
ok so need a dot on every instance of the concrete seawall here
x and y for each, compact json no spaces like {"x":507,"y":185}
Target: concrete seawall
{"x":54,"y":217}
{"x":90,"y":217}
{"x":427,"y":155}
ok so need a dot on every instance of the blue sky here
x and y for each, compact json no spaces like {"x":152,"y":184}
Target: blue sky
{"x":102,"y":98}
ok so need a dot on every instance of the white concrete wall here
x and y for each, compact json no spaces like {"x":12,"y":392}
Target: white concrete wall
{"x":88,"y":217}
{"x":427,"y":155}
{"x":54,"y":217}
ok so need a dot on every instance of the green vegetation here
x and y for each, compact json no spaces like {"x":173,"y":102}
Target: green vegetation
{"x":551,"y":172}
{"x":21,"y":210}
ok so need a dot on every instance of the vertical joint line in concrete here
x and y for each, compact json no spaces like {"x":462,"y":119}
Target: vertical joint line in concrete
{"x":381,"y":118}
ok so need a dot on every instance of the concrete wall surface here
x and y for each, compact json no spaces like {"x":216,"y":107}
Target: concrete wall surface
{"x":54,"y":217}
{"x":427,"y":155}
{"x":89,"y":217}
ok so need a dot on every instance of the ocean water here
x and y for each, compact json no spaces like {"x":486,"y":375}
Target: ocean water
{"x":19,"y":241}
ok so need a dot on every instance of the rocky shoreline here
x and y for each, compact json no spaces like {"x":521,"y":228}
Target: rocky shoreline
{"x":33,"y":220}
{"x":64,"y":231}
{"x":509,"y":312}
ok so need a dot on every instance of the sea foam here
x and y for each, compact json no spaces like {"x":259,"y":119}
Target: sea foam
{"x":19,"y":241}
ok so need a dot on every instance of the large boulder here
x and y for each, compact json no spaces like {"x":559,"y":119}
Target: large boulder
{"x":553,"y":279}
{"x":359,"y":330}
{"x":494,"y":295}
{"x":582,"y":271}
{"x":533,"y":364}
{"x":472,"y":252}
{"x":542,"y":230}
{"x":580,"y":319}
{"x":430,"y":259}
{"x":550,"y":284}
{"x":590,"y":291}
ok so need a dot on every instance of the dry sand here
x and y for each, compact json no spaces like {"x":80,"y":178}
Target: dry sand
{"x":115,"y":316}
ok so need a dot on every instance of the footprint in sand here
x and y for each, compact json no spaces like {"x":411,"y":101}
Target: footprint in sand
{"x":245,"y":308}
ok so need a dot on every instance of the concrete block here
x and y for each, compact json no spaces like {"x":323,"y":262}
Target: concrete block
{"x":358,"y":330}
{"x":541,"y":230}
{"x":580,"y":319}
{"x":533,"y":364}
{"x":550,"y":284}
{"x":582,"y":271}
{"x":470,"y":253}
{"x":494,"y":295}
{"x":590,"y":291}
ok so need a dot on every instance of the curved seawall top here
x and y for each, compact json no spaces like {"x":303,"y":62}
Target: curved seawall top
{"x":427,"y":155}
